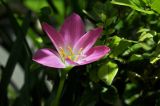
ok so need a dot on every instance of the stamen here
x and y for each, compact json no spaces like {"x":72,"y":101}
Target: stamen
{"x":76,"y":58}
{"x":70,"y":54}
{"x":62,"y":53}
{"x":69,"y":57}
{"x":79,"y":53}
{"x":70,"y":50}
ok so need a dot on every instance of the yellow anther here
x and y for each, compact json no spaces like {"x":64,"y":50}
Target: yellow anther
{"x":76,"y":58}
{"x":69,"y":53}
{"x":70,"y":50}
{"x":79,"y":53}
{"x":61,"y":51}
{"x":70,"y":57}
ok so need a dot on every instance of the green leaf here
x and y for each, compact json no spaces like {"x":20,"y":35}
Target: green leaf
{"x":131,"y":93}
{"x":134,"y":4}
{"x":156,"y":54}
{"x":145,"y":46}
{"x":122,"y":46}
{"x":121,"y":2}
{"x":145,"y":36}
{"x":107,"y":72}
{"x":136,"y":57}
{"x":156,"y":6}
{"x":114,"y":41}
{"x":132,"y":48}
{"x":35,"y":5}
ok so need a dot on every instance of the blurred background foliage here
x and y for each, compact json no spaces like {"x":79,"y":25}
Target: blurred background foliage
{"x":128,"y":76}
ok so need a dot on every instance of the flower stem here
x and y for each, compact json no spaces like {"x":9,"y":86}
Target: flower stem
{"x":60,"y":88}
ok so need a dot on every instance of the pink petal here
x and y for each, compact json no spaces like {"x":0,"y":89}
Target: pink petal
{"x":48,"y":57}
{"x":71,"y":63}
{"x":54,"y":36}
{"x":94,"y":54}
{"x":88,"y":40}
{"x":72,"y":29}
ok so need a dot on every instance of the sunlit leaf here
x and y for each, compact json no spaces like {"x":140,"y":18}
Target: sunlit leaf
{"x":132,"y":48}
{"x":107,"y":72}
{"x":121,"y":47}
{"x":136,"y":57}
{"x":155,"y":6}
{"x":35,"y":5}
{"x":156,"y":54}
{"x":134,"y":4}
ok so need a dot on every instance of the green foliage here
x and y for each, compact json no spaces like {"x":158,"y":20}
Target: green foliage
{"x":139,"y":5}
{"x":128,"y":76}
{"x":107,"y":72}
{"x":155,"y":5}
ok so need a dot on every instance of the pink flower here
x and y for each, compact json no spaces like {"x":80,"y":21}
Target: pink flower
{"x":73,"y":46}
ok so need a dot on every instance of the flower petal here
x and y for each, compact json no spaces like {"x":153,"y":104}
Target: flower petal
{"x":54,"y":36}
{"x":72,"y":29}
{"x":94,"y":54}
{"x":48,"y":57}
{"x":87,"y":40}
{"x":70,"y":62}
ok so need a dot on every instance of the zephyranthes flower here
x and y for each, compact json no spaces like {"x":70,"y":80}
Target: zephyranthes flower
{"x":73,"y":46}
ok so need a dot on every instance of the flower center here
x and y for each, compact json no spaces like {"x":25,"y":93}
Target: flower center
{"x":68,"y":53}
